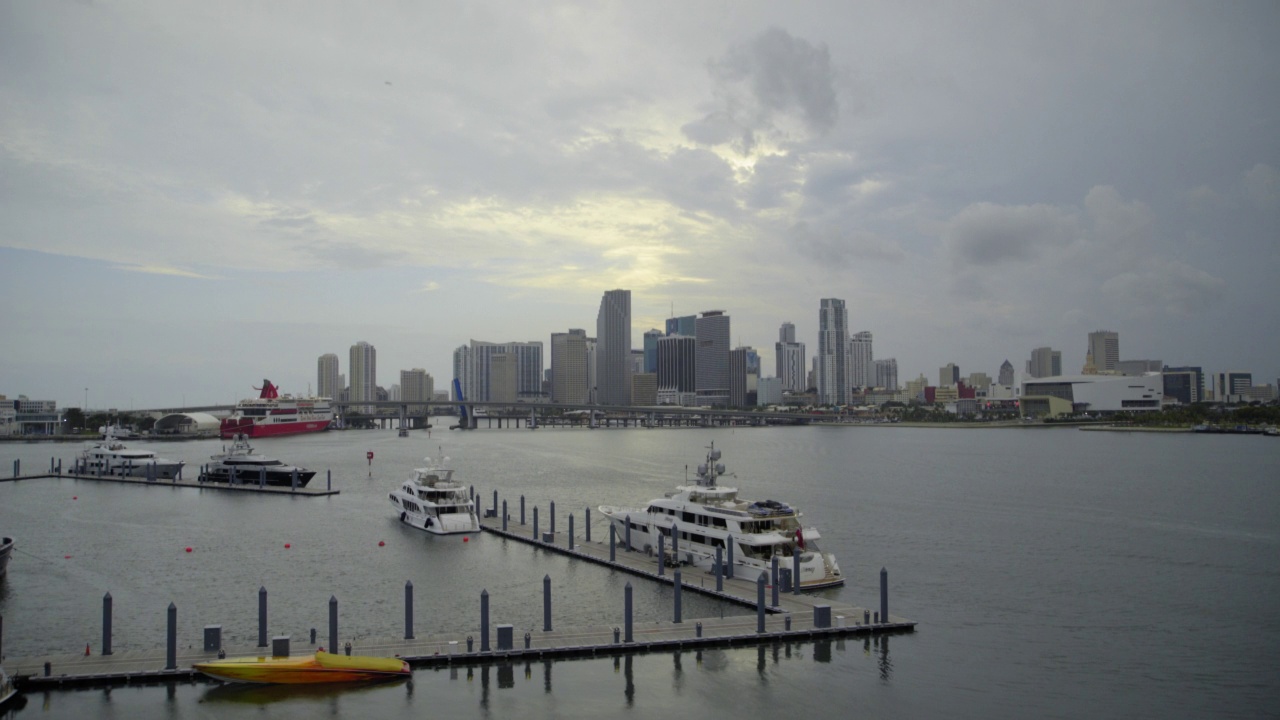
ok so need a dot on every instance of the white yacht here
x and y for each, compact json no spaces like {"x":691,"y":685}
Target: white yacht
{"x":7,"y":689}
{"x":248,"y":467}
{"x":706,"y":515}
{"x":111,"y":457}
{"x":432,"y":500}
{"x":6,"y":549}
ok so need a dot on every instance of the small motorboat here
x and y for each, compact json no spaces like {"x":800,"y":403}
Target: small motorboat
{"x":322,"y":667}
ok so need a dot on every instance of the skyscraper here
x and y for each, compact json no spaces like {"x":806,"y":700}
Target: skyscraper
{"x":948,"y":375}
{"x":651,"y":350}
{"x":712,"y":331}
{"x":327,"y":376}
{"x":789,"y":360}
{"x":862,"y":369}
{"x":833,"y":351}
{"x":887,"y":374}
{"x":363,"y":364}
{"x":677,"y":369}
{"x":741,"y":387}
{"x":476,"y":377}
{"x":1006,"y":374}
{"x":1045,"y":362}
{"x":416,"y":385}
{"x":683,"y":325}
{"x":613,"y":349}
{"x":787,"y":332}
{"x":569,"y":367}
{"x":1104,"y":346}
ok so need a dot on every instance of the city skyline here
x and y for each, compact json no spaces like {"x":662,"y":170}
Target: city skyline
{"x":969,"y":180}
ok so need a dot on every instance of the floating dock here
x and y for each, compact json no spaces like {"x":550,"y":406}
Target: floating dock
{"x":247,"y":486}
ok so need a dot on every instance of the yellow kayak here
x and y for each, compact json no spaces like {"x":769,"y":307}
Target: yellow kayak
{"x":322,"y":667}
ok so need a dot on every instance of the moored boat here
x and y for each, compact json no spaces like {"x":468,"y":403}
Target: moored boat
{"x":6,"y":549}
{"x":433,"y":501}
{"x":112,"y":457}
{"x":7,"y":688}
{"x":274,"y":414}
{"x":322,"y":667}
{"x":241,"y":464}
{"x":706,"y":517}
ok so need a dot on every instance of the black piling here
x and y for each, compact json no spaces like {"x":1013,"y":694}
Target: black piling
{"x":408,"y":609}
{"x":333,"y":624}
{"x":613,"y":543}
{"x":504,"y":516}
{"x":484,"y":621}
{"x":729,"y":567}
{"x":535,"y":523}
{"x":171,"y":641}
{"x":521,"y":509}
{"x":795,"y":572}
{"x":552,"y":516}
{"x":884,"y":595}
{"x":719,"y":569}
{"x":106,"y":624}
{"x":774,"y":577}
{"x":546,"y":603}
{"x":586,"y":523}
{"x":569,"y":540}
{"x":262,"y":616}
{"x":677,"y":587}
{"x":626,"y":612}
{"x":760,"y":583}
{"x":662,"y":553}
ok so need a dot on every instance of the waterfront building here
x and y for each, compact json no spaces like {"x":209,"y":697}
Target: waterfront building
{"x":24,"y":416}
{"x":363,"y":363}
{"x":503,"y":377}
{"x":915,"y":388}
{"x":744,"y":374}
{"x":644,"y":389}
{"x":1104,"y":348}
{"x":833,"y":352}
{"x":569,"y":367}
{"x":416,"y":385}
{"x":461,"y":372}
{"x":980,"y":383}
{"x":1232,"y":387}
{"x":790,"y":365}
{"x":476,"y":377}
{"x":1006,"y":373}
{"x":613,"y":348}
{"x":862,"y":369}
{"x":327,"y":377}
{"x":1045,"y":362}
{"x":768,"y":392}
{"x":712,"y":332}
{"x":651,"y":350}
{"x":1185,"y":384}
{"x":948,"y":375}
{"x":887,"y":374}
{"x":592,"y":396}
{"x":683,"y":325}
{"x":677,"y":369}
{"x":1138,"y":367}
{"x":1100,"y":393}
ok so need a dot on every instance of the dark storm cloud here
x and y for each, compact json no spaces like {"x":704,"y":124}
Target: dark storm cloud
{"x":987,"y":234}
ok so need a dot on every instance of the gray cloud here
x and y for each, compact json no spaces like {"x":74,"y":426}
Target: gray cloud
{"x":988,"y":234}
{"x":1172,"y":287}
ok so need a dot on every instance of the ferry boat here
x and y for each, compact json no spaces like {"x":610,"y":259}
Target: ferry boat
{"x":706,"y":515}
{"x":274,"y":414}
{"x":248,"y":467}
{"x":432,"y":500}
{"x":111,"y":457}
{"x":6,"y":549}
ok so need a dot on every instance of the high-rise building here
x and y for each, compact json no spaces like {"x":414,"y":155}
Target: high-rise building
{"x":677,"y":369}
{"x":887,"y":374}
{"x":651,"y":350}
{"x":1231,"y":387}
{"x":769,"y":391}
{"x":644,"y":389}
{"x":327,"y":377}
{"x":683,"y":325}
{"x":1045,"y":362}
{"x":787,"y":333}
{"x":592,"y":396}
{"x":462,"y":368}
{"x":503,"y":377}
{"x":862,"y":368}
{"x":637,"y":361}
{"x":1138,"y":367}
{"x":1006,"y":373}
{"x":1184,"y":383}
{"x":789,"y":361}
{"x":948,"y":375}
{"x":1104,"y":346}
{"x":476,"y":377}
{"x":363,"y":364}
{"x":569,"y":367}
{"x":833,"y":352}
{"x":744,"y":374}
{"x":712,"y":332}
{"x":613,"y":349}
{"x":416,"y":385}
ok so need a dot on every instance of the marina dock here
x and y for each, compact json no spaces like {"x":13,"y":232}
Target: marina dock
{"x":247,"y":486}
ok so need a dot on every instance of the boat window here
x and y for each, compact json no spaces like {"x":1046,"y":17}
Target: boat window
{"x":696,"y":538}
{"x":688,"y":517}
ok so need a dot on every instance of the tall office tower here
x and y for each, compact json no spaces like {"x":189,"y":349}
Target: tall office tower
{"x":1006,"y":373}
{"x":461,"y":373}
{"x":948,"y":375}
{"x":1045,"y":362}
{"x":636,"y":363}
{"x":712,"y":331}
{"x":833,"y":352}
{"x":787,"y":332}
{"x":613,"y":349}
{"x":887,"y":374}
{"x":651,"y":350}
{"x":569,"y":367}
{"x":792,"y":368}
{"x":677,"y":369}
{"x":738,"y":377}
{"x":862,"y":368}
{"x":503,"y":373}
{"x":1104,"y":346}
{"x":979,"y":381}
{"x":327,"y":376}
{"x":1232,"y":386}
{"x":363,"y":364}
{"x":592,"y":390}
{"x":683,"y":325}
{"x":479,"y":374}
{"x":416,"y":386}
{"x":1188,"y":389}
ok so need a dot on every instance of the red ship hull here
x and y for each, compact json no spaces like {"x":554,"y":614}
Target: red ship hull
{"x":232,"y":426}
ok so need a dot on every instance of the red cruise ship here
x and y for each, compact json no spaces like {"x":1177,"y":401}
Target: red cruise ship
{"x":274,"y":414}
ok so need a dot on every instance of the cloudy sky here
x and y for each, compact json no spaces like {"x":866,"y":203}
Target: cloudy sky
{"x":195,"y":196}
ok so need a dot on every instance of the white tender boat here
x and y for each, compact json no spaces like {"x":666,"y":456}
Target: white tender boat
{"x":433,"y":501}
{"x":707,"y":516}
{"x":246,"y":467}
{"x":111,"y":457}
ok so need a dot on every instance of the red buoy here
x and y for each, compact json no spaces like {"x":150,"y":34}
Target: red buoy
{"x":381,"y":543}
{"x":66,"y":557}
{"x":75,"y":497}
{"x":188,"y":549}
{"x":466,"y":539}
{"x":287,"y":546}
{"x":86,"y":649}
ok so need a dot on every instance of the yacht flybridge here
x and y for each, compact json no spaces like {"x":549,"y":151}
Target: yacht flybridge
{"x":433,"y":501}
{"x":708,"y":516}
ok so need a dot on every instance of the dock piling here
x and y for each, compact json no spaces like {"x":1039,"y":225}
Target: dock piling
{"x":546,"y":603}
{"x":522,"y":510}
{"x":535,"y":522}
{"x":552,"y":515}
{"x":569,"y":540}
{"x":677,"y":587}
{"x":484,"y":621}
{"x":662,"y":554}
{"x":106,"y":624}
{"x":675,"y":541}
{"x":760,"y":583}
{"x":613,"y":543}
{"x":729,"y":567}
{"x":333,"y":624}
{"x":171,"y":642}
{"x":719,"y":569}
{"x":504,"y":515}
{"x":626,"y":613}
{"x":408,"y":609}
{"x":586,"y":522}
{"x":627,"y":546}
{"x":262,"y":616}
{"x":774,"y":577}
{"x":795,"y":571}
{"x":884,"y":594}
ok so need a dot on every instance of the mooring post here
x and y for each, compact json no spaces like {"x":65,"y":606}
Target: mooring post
{"x":775,"y":580}
{"x":171,"y":642}
{"x":613,"y":542}
{"x":408,"y":609}
{"x":294,"y":481}
{"x":719,"y":569}
{"x":760,"y":583}
{"x":333,"y":624}
{"x":504,"y":515}
{"x":626,"y":611}
{"x":262,"y":616}
{"x":675,"y":541}
{"x":546,"y":603}
{"x":586,"y":523}
{"x":106,"y":624}
{"x":484,"y":621}
{"x":552,"y":515}
{"x":522,"y":511}
{"x":495,"y":502}
{"x":662,"y":552}
{"x":677,"y":595}
{"x":627,"y":545}
{"x":262,"y":477}
{"x":884,"y":595}
{"x":795,"y":572}
{"x":729,"y":568}
{"x":535,"y":522}
{"x":569,"y":543}
{"x":328,"y":479}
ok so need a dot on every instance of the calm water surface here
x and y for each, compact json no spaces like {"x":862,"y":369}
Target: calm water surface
{"x":1054,"y":573}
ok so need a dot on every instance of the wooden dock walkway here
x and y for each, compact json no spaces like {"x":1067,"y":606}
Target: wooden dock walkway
{"x":246,"y":486}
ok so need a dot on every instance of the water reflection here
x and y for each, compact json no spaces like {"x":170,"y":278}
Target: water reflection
{"x":250,"y":694}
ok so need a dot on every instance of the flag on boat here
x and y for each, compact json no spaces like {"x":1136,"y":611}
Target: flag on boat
{"x":799,"y":538}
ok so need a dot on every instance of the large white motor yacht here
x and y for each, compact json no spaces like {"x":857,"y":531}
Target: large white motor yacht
{"x":433,"y":501}
{"x":706,"y":515}
{"x":111,"y":457}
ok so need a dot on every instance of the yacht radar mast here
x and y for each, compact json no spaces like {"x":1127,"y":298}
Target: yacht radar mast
{"x":710,"y":470}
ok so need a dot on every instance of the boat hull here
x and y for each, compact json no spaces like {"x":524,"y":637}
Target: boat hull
{"x":320,"y":668}
{"x":249,"y":477}
{"x":233,"y":426}
{"x":452,"y":524}
{"x":6,"y":549}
